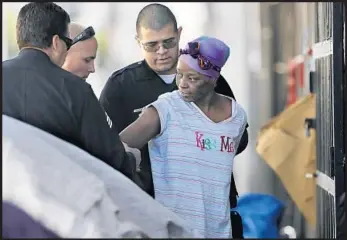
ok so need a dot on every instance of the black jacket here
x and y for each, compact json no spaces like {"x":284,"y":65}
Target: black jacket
{"x":136,"y":86}
{"x":38,"y":92}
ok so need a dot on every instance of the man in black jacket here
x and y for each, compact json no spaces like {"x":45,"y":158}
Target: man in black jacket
{"x":36,"y":90}
{"x":139,"y":84}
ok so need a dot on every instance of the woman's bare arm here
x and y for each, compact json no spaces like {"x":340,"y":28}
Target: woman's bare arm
{"x":146,"y":127}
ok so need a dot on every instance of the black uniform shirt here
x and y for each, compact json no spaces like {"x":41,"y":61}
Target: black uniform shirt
{"x":136,"y":86}
{"x":38,"y":92}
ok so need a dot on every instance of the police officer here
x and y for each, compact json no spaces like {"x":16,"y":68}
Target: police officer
{"x":36,"y":90}
{"x":130,"y":89}
{"x":81,"y":56}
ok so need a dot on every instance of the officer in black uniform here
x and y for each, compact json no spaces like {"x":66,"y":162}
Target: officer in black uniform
{"x":139,"y":84}
{"x":36,"y":90}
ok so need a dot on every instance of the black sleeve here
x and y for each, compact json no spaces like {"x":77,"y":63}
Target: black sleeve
{"x":111,"y":100}
{"x":223,"y":87}
{"x":243,"y":142}
{"x":101,"y":140}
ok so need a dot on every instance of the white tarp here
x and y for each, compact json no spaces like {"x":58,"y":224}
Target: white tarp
{"x":64,"y":170}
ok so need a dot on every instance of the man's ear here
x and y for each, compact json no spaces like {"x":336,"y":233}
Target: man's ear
{"x":179,"y":31}
{"x":55,"y":42}
{"x":137,"y":40}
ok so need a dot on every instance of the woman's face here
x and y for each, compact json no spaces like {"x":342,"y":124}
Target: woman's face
{"x":191,"y":84}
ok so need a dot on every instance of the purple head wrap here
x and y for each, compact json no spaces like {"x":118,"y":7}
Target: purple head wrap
{"x":211,"y":53}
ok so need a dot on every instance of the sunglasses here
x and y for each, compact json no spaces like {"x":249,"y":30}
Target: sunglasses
{"x":154,"y":46}
{"x":67,"y":41}
{"x":86,"y":34}
{"x":194,"y":51}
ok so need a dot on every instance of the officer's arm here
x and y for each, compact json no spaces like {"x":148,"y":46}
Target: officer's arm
{"x":101,"y":139}
{"x":243,"y":142}
{"x":224,"y":88}
{"x":146,"y":127}
{"x":111,"y":100}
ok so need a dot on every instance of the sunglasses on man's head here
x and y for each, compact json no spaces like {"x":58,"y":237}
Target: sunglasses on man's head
{"x":86,"y":34}
{"x":67,"y":41}
{"x":154,"y":46}
{"x":194,"y":51}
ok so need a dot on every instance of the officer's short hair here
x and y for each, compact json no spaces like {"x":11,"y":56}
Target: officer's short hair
{"x":38,"y":22}
{"x":155,"y":16}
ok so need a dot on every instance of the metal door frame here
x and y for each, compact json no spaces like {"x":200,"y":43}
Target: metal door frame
{"x":330,"y":166}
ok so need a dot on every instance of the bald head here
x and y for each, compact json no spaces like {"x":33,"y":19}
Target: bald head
{"x":80,"y":57}
{"x":75,"y":29}
{"x":155,"y":16}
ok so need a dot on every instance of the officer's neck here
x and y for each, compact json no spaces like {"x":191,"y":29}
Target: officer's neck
{"x":168,"y":72}
{"x":47,"y":51}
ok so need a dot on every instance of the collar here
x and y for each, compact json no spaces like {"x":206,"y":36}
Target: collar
{"x":149,"y":74}
{"x":34,"y":53}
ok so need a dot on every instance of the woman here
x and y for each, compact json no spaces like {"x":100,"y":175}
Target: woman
{"x":193,"y":136}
